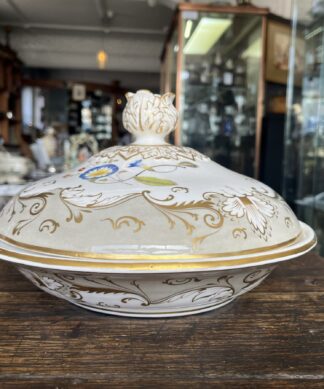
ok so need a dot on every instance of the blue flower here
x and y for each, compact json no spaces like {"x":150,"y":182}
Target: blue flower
{"x":136,"y":163}
{"x":99,"y":172}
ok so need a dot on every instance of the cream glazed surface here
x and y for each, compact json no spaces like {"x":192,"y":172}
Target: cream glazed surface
{"x":160,"y":295}
{"x":149,"y":229}
{"x":148,"y":199}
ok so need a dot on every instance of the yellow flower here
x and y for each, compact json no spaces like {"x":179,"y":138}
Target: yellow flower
{"x":98,"y":173}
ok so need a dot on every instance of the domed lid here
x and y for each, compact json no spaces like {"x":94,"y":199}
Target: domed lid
{"x":148,"y":198}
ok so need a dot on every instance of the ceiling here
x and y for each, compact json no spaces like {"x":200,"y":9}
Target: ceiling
{"x":67,"y":34}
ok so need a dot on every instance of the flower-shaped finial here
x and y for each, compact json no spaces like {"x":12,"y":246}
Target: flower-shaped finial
{"x":150,"y":118}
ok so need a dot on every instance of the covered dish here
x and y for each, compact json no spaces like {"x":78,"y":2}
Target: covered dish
{"x":149,"y":229}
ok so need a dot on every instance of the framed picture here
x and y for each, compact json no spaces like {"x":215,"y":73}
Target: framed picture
{"x":78,"y":92}
{"x":278,"y":48}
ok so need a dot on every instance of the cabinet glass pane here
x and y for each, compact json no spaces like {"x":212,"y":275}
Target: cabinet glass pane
{"x":170,"y":63}
{"x":304,"y":142}
{"x":220,"y":82}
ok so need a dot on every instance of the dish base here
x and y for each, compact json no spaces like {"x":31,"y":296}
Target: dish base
{"x":157,"y":314}
{"x":148,"y":295}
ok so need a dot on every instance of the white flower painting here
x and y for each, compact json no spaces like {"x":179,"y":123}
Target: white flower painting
{"x":247,"y":204}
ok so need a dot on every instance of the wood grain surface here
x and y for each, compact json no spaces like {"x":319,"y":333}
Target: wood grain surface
{"x":272,"y":337}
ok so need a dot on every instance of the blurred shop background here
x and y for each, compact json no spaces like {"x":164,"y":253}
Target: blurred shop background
{"x":248,"y":78}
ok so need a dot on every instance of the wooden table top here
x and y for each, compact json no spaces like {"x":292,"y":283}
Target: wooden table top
{"x":270,"y":337}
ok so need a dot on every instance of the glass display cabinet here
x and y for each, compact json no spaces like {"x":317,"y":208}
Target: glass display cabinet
{"x":304,"y":137}
{"x":73,"y":108}
{"x":214,"y":60}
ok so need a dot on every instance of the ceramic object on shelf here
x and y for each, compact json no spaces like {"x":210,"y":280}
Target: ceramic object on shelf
{"x":13,"y":168}
{"x":149,"y":229}
{"x":79,"y":148}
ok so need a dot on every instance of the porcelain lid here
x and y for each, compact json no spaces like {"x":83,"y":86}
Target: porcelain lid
{"x":148,"y":198}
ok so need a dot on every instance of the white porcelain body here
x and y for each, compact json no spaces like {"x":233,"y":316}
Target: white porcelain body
{"x":149,"y":229}
{"x":154,"y":200}
{"x":148,"y":295}
{"x":159,"y":287}
{"x":148,"y":199}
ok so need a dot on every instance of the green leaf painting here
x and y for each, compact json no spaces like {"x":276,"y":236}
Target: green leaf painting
{"x":153,"y":181}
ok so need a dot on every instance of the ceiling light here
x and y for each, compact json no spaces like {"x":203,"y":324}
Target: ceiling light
{"x":110,"y":13}
{"x":102,"y":59}
{"x":188,"y":29}
{"x":206,"y":34}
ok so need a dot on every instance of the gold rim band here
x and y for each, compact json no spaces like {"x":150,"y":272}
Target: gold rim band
{"x":145,"y":257}
{"x":157,"y":266}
